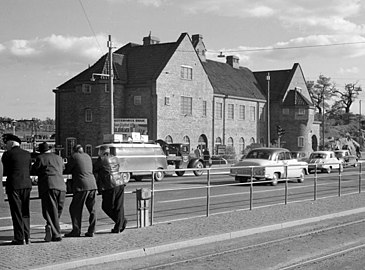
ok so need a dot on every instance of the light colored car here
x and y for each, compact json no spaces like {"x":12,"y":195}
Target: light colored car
{"x":324,"y":161}
{"x":269,"y":164}
{"x":346,"y":158}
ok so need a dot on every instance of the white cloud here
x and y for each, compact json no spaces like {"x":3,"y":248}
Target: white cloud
{"x":351,"y":70}
{"x":54,"y":50}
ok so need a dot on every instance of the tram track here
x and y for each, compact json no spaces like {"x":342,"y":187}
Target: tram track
{"x":299,"y":263}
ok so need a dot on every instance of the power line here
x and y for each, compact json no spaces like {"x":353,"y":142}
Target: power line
{"x":293,"y":47}
{"x":88,"y":21}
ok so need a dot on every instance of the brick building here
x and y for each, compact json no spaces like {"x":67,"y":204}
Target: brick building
{"x":171,"y":91}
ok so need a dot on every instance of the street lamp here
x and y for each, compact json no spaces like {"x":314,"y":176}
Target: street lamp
{"x":111,"y":84}
{"x":268,"y":109}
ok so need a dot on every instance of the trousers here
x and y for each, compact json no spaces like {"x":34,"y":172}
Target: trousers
{"x":113,"y":205}
{"x":52,"y":207}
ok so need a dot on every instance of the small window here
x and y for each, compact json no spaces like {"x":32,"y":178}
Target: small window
{"x":242,"y":114}
{"x":301,"y":141}
{"x":137,"y":100}
{"x":218,"y":111}
{"x":86,"y":88}
{"x":167,"y":101}
{"x":89,"y":149}
{"x":70,"y":143}
{"x":252,"y":113}
{"x":285,"y":111}
{"x":204,"y":109}
{"x":168,"y":139}
{"x":301,"y":111}
{"x":186,"y":106}
{"x":230,"y":111}
{"x":88,"y":115}
{"x":186,"y":73}
{"x":230,"y":142}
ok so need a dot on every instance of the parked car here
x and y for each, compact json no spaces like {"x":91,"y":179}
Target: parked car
{"x":269,"y":164}
{"x":325,"y":161}
{"x":300,"y":155}
{"x":218,"y":160}
{"x":346,"y":158}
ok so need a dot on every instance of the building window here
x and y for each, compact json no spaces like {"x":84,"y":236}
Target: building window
{"x":230,"y":142}
{"x":186,"y":106}
{"x":218,"y":110}
{"x":252,"y":140}
{"x":301,"y":111}
{"x":285,"y":111}
{"x":89,"y":149}
{"x":86,"y":88}
{"x":70,"y":143}
{"x":262,"y":114}
{"x":230,"y":111}
{"x":186,"y":140}
{"x":301,"y":141}
{"x":242,"y":145}
{"x":186,"y":73}
{"x":88,"y":115}
{"x":204,"y":108}
{"x":168,"y":139}
{"x":252,"y":113}
{"x":137,"y":100}
{"x":167,"y":101}
{"x":242,"y":114}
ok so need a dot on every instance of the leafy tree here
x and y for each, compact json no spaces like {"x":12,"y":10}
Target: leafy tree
{"x":321,"y":92}
{"x":347,"y":96}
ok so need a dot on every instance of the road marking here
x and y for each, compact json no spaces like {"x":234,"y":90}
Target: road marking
{"x":64,"y":226}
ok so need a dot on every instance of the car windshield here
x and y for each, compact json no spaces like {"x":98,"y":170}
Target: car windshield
{"x":339,"y":154}
{"x":318,"y":155}
{"x":259,"y":154}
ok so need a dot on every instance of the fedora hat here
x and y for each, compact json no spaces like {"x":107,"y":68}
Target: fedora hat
{"x":43,"y":147}
{"x":11,"y":137}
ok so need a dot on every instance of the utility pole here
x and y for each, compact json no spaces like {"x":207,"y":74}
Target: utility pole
{"x":111,"y":85}
{"x":268,"y":109}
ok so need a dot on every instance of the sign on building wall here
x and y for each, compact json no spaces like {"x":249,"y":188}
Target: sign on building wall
{"x":127,"y":125}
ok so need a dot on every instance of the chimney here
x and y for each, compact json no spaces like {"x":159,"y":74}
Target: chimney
{"x":198,"y":44}
{"x":150,"y":40}
{"x":233,"y":61}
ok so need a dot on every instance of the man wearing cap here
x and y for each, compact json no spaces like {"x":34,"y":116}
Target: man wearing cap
{"x":51,"y":188}
{"x":17,"y":163}
{"x":83,"y":189}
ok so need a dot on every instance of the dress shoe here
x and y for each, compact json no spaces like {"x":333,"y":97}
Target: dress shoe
{"x":17,"y":242}
{"x":124,"y":225}
{"x":48,"y":236}
{"x":89,"y":234}
{"x":56,"y":239}
{"x":115,"y":231}
{"x":72,"y":234}
{"x":27,"y":241}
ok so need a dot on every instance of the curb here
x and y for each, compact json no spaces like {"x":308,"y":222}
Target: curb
{"x":141,"y":252}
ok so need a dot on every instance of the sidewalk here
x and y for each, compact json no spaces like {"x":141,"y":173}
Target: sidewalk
{"x":137,"y":242}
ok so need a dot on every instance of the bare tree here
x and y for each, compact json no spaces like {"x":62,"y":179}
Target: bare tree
{"x":347,"y":96}
{"x":321,"y":92}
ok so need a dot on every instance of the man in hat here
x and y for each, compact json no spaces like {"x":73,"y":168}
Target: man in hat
{"x":51,"y":188}
{"x":17,"y":163}
{"x":83,"y":189}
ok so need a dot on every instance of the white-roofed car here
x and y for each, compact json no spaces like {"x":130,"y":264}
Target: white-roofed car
{"x":324,"y":161}
{"x":346,"y":158}
{"x":273,"y":164}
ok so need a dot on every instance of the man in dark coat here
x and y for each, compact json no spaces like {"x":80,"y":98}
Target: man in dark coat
{"x":84,"y":191}
{"x":17,"y":163}
{"x":111,"y":186}
{"x":51,"y":188}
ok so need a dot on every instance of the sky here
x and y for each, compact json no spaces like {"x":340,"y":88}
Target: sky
{"x":44,"y":43}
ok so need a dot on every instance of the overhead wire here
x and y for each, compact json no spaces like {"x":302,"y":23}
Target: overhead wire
{"x":91,"y":27}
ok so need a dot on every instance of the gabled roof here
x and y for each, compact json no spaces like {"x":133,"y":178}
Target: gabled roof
{"x":132,"y":63}
{"x":279,"y":82}
{"x":227,"y":80}
{"x":296,"y":98}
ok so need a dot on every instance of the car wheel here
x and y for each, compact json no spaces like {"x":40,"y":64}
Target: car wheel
{"x":138,"y":178}
{"x":328,"y":170}
{"x":126,"y":176}
{"x":180,"y":173}
{"x":301,"y":177}
{"x":159,"y":175}
{"x":200,"y":166}
{"x":275,"y":179}
{"x":241,"y":179}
